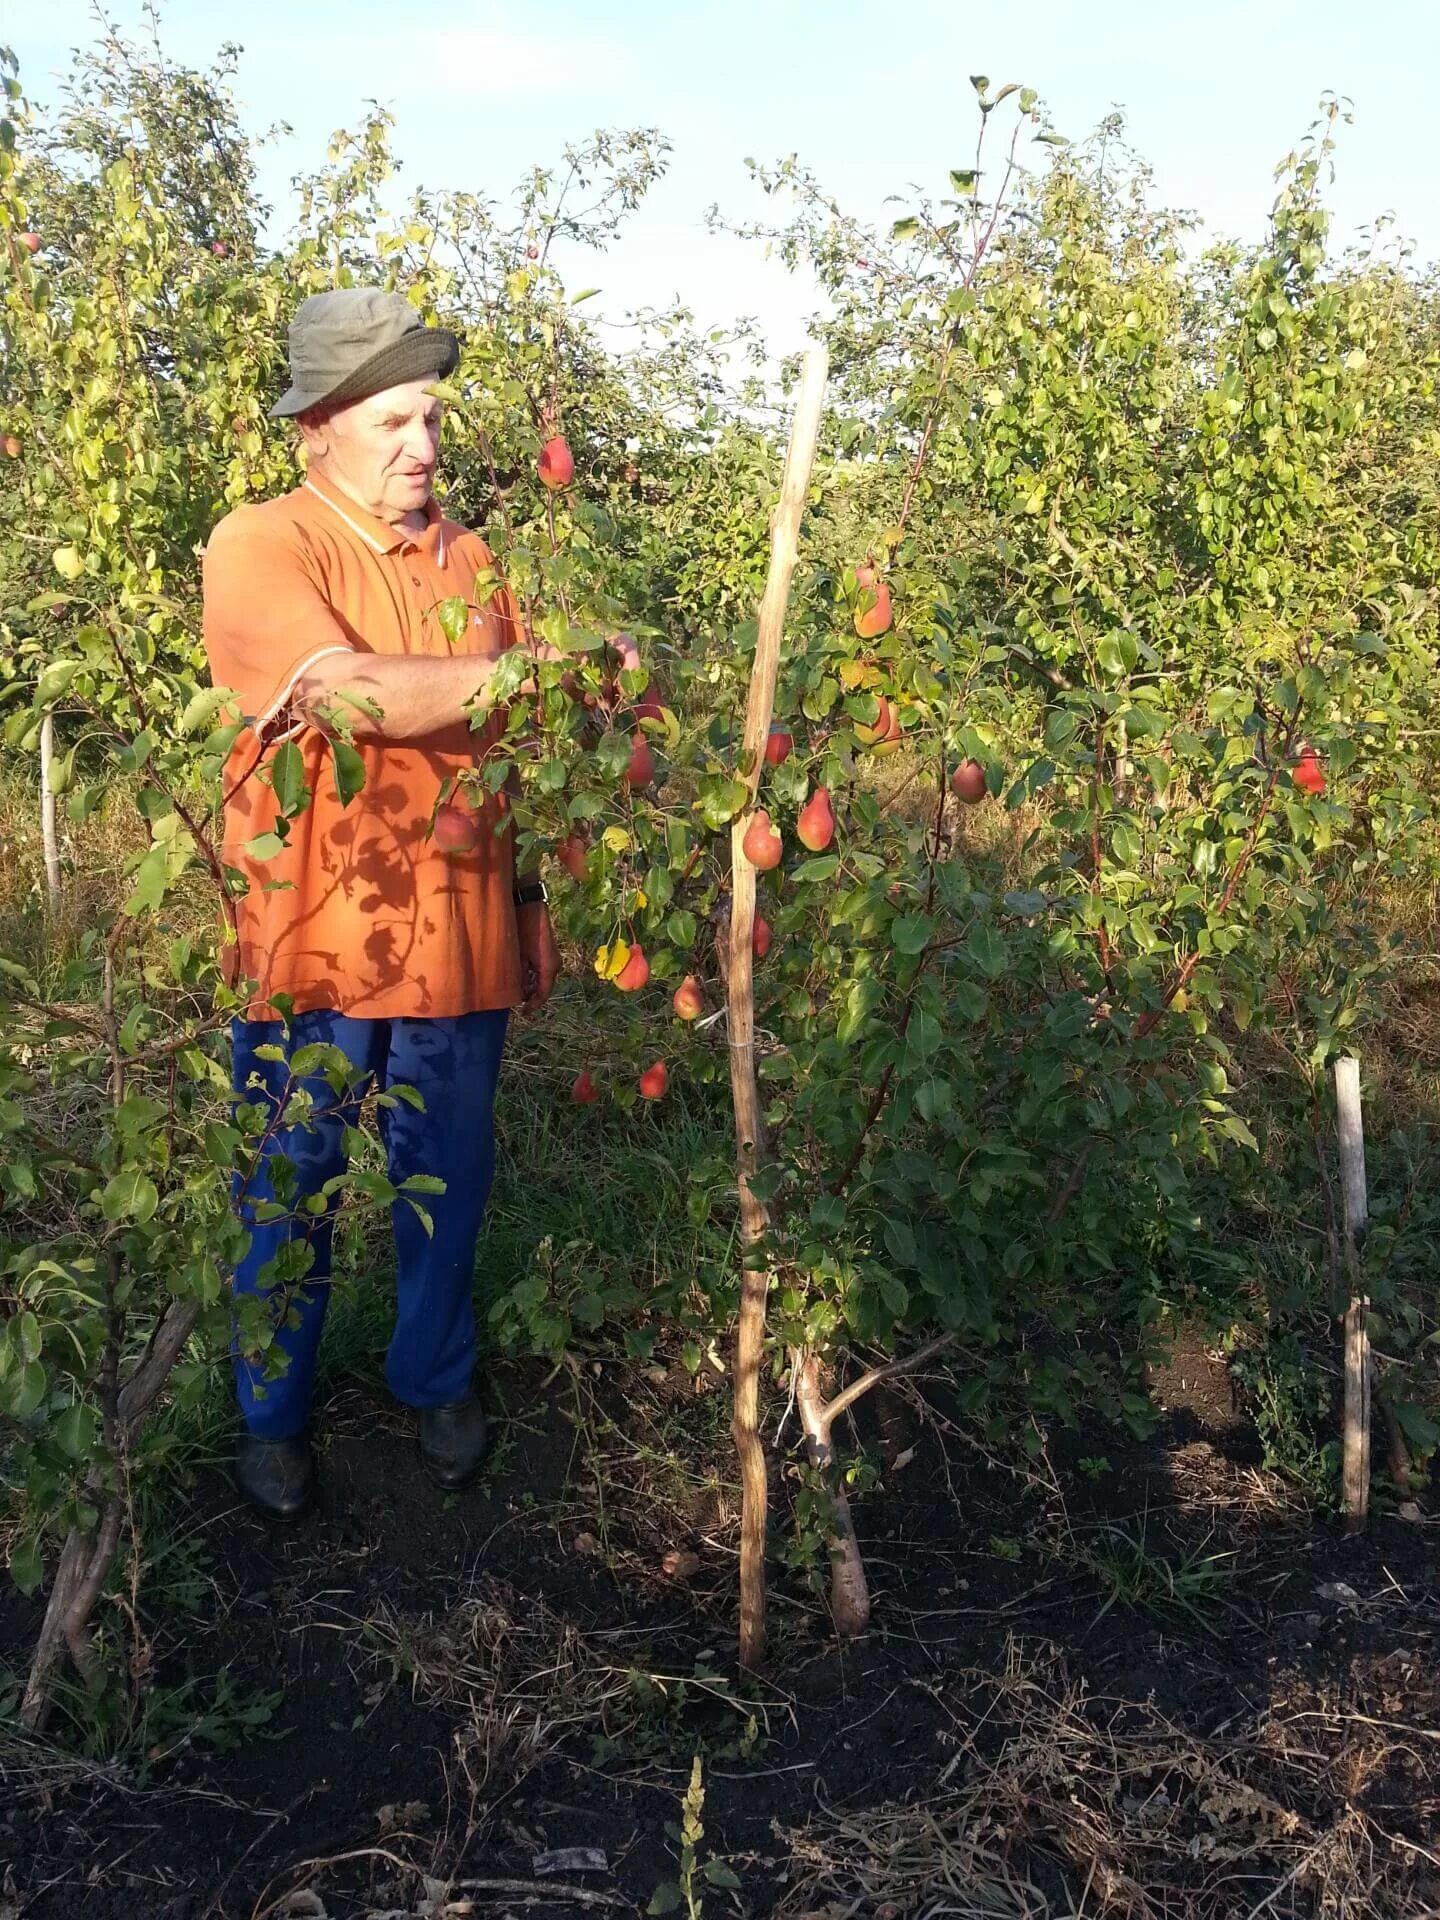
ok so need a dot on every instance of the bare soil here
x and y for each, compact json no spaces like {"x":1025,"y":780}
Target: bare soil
{"x":1131,"y":1679}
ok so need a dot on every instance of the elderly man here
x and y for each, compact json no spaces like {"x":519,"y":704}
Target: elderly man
{"x":405,"y":950}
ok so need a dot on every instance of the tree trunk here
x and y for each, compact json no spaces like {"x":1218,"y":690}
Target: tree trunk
{"x":86,"y":1559}
{"x":849,"y":1589}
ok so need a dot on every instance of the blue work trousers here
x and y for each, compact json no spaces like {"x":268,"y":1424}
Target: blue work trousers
{"x":453,"y":1064}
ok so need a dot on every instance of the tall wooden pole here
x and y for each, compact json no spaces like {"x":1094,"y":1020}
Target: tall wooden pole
{"x":740,"y":984}
{"x":1355,"y":1470}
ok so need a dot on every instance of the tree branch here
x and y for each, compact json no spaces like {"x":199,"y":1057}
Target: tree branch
{"x":832,"y":1409}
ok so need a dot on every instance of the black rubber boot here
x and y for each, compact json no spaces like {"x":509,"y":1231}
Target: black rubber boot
{"x":277,"y":1477}
{"x":454,"y":1440}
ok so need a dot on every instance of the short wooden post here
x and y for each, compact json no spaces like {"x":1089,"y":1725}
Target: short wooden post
{"x":1355,"y":1473}
{"x":48,"y":839}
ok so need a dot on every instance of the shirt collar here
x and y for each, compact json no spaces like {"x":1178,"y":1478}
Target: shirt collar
{"x":379,"y":534}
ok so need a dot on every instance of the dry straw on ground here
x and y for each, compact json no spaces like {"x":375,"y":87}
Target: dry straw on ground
{"x":1059,"y":1805}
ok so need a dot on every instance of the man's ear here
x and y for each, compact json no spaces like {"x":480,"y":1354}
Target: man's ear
{"x":312,"y":425}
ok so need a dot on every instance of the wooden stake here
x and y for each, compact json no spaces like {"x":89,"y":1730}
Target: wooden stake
{"x":740,"y":984}
{"x":47,"y":813}
{"x":1355,"y":1475}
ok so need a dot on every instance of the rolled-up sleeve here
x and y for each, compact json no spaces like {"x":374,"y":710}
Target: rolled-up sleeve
{"x":267,"y":619}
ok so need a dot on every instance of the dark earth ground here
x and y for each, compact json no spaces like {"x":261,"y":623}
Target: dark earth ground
{"x":1133,"y":1680}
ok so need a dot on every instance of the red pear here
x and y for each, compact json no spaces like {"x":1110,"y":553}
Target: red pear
{"x":654,"y":1081}
{"x":815,"y":828}
{"x":532,"y":253}
{"x":219,"y":249}
{"x":574,"y":856}
{"x":457,"y":829}
{"x":635,"y":972}
{"x":1309,"y":773}
{"x":688,"y":1000}
{"x":865,"y":575}
{"x":30,"y":242}
{"x":623,"y":646}
{"x":11,"y":446}
{"x":760,"y":937}
{"x":641,"y":770}
{"x":968,"y":782}
{"x":584,"y":1091}
{"x":763,"y":845}
{"x":648,"y":706}
{"x":885,"y":728}
{"x":779,"y":746}
{"x":872,"y":616}
{"x":557,"y":464}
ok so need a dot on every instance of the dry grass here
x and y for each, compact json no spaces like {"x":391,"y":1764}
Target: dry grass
{"x":1060,"y":1805}
{"x":525,"y":1682}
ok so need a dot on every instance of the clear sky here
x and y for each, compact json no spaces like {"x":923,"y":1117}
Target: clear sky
{"x":872,"y":96}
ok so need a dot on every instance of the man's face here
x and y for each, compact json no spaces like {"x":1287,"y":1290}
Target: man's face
{"x":382,"y":450}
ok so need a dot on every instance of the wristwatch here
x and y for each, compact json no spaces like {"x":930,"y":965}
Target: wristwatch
{"x":531,"y":891}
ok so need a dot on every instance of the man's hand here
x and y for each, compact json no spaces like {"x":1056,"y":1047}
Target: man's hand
{"x":539,"y":955}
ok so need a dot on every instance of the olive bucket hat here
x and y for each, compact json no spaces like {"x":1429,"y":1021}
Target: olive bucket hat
{"x":357,"y":341}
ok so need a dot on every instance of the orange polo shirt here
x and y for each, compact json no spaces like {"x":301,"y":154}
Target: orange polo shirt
{"x":360,"y":911}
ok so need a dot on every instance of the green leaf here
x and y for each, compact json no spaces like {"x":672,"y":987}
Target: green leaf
{"x":129,"y":1194}
{"x":454,"y":617}
{"x":823,"y":867}
{"x":721,"y":798}
{"x":54,"y":681}
{"x":905,"y":229}
{"x":1038,"y":774}
{"x":27,"y":1336}
{"x":28,"y":1391}
{"x":980,"y":82}
{"x":152,"y":877}
{"x":62,"y":771}
{"x":860,"y":997}
{"x":923,"y":1035}
{"x":912,"y":933}
{"x":963,"y":179}
{"x":287,"y":777}
{"x":1111,"y":655}
{"x":349,"y":768}
{"x":264,"y":846}
{"x":1417,"y":1426}
{"x":27,"y":1569}
{"x":75,"y":1430}
{"x":970,"y":1000}
{"x":202,"y":707}
{"x":375,"y":1185}
{"x":986,"y":947}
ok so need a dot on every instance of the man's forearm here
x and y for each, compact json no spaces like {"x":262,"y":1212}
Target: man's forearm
{"x":414,"y":696}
